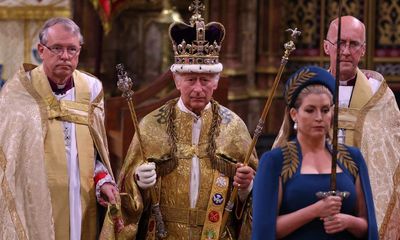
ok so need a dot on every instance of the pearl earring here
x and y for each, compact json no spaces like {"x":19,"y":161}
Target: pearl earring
{"x":295,"y":126}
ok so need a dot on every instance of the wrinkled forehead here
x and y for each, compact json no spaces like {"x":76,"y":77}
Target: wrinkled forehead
{"x":209,"y":76}
{"x":61,"y":31}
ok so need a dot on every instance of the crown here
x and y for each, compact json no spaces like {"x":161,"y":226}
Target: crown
{"x":196,"y":46}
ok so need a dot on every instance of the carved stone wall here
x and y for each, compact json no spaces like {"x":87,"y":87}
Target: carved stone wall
{"x":382,"y":20}
{"x":253,"y":47}
{"x":138,"y":38}
{"x":20,"y":22}
{"x":312,"y":17}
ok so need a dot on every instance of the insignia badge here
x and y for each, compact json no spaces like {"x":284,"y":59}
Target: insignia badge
{"x":221,"y":182}
{"x":218,"y":199}
{"x":210,"y":234}
{"x":213,"y":216}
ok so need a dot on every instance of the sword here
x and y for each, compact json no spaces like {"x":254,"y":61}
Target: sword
{"x":333,"y":188}
{"x":125,"y":85}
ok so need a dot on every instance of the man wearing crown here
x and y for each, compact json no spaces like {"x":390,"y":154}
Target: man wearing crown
{"x":193,"y":148}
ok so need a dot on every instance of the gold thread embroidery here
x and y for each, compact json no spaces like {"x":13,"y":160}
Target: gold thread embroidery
{"x":345,"y":158}
{"x":298,"y":80}
{"x":290,"y":161}
{"x":359,"y":125}
{"x":167,"y":115}
{"x":391,"y":206}
{"x":10,"y":201}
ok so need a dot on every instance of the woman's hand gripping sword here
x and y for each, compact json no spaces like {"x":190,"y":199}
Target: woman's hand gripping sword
{"x":289,"y":47}
{"x":125,"y":85}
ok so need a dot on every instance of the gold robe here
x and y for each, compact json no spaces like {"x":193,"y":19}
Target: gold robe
{"x":33,"y":169}
{"x":181,"y":221}
{"x":372,"y":123}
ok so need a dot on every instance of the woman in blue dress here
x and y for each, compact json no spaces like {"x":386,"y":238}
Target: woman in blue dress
{"x":285,"y":205}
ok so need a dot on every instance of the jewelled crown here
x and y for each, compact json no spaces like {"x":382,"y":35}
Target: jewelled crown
{"x":196,"y":46}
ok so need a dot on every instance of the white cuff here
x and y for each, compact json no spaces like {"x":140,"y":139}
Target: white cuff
{"x":99,"y":167}
{"x":101,"y":182}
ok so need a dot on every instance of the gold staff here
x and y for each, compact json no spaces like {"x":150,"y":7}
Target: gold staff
{"x":289,"y":47}
{"x":125,"y":85}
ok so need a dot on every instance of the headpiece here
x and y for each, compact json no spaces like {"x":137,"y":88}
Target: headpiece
{"x":196,"y":46}
{"x":305,"y":76}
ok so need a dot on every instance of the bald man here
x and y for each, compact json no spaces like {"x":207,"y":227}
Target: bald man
{"x":369,"y":118}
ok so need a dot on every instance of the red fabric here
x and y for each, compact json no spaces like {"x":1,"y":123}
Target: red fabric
{"x":106,"y":5}
{"x":99,"y":176}
{"x":108,"y":9}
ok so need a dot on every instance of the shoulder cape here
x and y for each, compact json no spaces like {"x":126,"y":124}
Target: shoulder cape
{"x":265,"y":194}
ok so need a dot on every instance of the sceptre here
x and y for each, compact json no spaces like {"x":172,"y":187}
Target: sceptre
{"x":289,"y":47}
{"x":125,"y":85}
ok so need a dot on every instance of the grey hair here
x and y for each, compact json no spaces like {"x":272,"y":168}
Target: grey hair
{"x":68,"y":25}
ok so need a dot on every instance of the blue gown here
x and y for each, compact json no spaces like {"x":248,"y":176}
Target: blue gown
{"x":298,"y":191}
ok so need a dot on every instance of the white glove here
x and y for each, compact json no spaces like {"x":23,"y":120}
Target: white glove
{"x":146,"y":175}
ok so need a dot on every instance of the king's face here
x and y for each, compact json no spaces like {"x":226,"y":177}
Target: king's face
{"x":196,"y":89}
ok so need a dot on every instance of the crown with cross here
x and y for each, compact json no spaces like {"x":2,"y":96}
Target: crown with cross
{"x":196,"y":46}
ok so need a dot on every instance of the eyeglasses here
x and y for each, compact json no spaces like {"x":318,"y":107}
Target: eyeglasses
{"x":354,"y":46}
{"x":72,"y":51}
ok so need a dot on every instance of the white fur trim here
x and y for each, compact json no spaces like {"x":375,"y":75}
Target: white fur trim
{"x":196,"y":68}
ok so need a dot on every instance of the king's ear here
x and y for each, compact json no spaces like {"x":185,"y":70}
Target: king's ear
{"x":326,"y":50}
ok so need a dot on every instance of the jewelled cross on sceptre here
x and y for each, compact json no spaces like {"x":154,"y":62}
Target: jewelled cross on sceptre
{"x":124,"y":83}
{"x":125,"y":86}
{"x":196,"y":7}
{"x":289,"y":46}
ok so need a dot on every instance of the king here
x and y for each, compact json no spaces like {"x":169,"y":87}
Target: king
{"x":194,"y":150}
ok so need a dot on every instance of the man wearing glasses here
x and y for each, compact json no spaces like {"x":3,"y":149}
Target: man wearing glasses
{"x":369,"y":119}
{"x":53,"y":151}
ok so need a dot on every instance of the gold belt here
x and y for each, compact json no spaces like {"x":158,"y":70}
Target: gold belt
{"x":193,"y":217}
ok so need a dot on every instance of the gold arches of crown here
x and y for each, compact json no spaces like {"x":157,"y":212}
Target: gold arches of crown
{"x":199,"y":51}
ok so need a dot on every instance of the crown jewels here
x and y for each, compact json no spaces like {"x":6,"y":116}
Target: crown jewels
{"x":197,"y":44}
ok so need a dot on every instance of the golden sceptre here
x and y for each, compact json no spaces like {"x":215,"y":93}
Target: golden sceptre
{"x":289,"y":47}
{"x":125,"y":85}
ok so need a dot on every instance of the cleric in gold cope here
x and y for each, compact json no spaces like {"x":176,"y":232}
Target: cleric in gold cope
{"x":195,"y":148}
{"x":53,"y":150}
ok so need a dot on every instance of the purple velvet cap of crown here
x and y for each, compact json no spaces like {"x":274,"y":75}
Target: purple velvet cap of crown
{"x":214,"y":32}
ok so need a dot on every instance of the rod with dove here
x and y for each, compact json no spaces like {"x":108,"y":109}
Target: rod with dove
{"x":289,"y":47}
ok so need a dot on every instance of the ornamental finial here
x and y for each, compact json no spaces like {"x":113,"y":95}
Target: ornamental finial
{"x":294,"y":33}
{"x":196,"y":7}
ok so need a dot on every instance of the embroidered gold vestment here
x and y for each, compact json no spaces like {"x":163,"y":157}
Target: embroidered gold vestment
{"x":182,"y":222}
{"x":33,"y":168}
{"x":372,"y":123}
